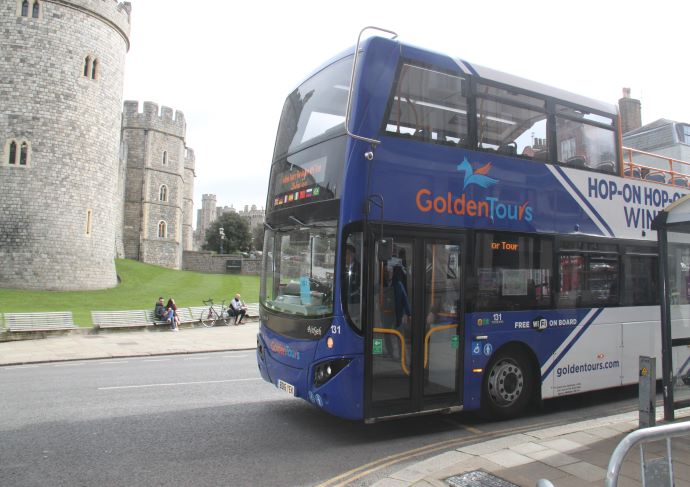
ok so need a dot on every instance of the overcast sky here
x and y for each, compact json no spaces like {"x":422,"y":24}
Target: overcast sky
{"x":229,"y":65}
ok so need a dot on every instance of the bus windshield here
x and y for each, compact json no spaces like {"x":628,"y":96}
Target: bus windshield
{"x":315,"y":108}
{"x":298,"y":270}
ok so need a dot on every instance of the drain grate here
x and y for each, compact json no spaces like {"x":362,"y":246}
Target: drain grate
{"x":478,"y":478}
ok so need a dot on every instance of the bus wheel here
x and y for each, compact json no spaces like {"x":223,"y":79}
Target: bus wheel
{"x":508,"y":385}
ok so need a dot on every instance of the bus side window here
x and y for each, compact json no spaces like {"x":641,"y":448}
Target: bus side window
{"x":588,"y":280}
{"x":513,"y":272}
{"x":640,"y":280}
{"x":352,"y":278}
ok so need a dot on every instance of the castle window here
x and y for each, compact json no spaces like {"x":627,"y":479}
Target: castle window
{"x":25,"y":8}
{"x":163,"y":194}
{"x":165,"y":157}
{"x":36,"y":9}
{"x":89,"y":221}
{"x":18,"y":152}
{"x":162,"y":229}
{"x":94,"y":69}
{"x":24,"y":154}
{"x":13,"y":153}
{"x":87,"y":66}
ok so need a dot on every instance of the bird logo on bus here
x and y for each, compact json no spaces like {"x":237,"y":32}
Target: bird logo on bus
{"x":476,"y":176}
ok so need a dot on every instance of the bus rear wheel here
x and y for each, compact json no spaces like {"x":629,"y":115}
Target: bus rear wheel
{"x":508,"y":385}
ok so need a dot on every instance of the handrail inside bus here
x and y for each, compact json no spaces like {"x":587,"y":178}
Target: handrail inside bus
{"x":427,"y":339}
{"x":389,"y":331}
{"x":373,"y":142}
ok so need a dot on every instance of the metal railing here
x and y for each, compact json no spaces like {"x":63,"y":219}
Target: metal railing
{"x":639,"y":437}
{"x":639,"y":164}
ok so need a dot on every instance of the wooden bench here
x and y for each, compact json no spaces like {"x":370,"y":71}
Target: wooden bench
{"x":196,"y":311}
{"x":152,"y":320}
{"x":48,"y":321}
{"x":185,"y":315}
{"x":253,"y":311}
{"x":120,"y":319}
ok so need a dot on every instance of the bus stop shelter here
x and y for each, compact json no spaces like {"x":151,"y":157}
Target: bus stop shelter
{"x":673,"y":233}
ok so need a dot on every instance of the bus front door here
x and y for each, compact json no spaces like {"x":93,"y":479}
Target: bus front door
{"x":415,"y":339}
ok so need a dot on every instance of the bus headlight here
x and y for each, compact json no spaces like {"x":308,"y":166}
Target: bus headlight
{"x":324,"y":371}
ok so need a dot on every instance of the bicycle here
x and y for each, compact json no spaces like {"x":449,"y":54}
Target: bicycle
{"x":210,"y":316}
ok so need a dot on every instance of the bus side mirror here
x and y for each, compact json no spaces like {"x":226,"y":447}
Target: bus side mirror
{"x":385,"y":249}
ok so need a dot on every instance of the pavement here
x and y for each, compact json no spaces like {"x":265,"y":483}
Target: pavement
{"x":571,"y":455}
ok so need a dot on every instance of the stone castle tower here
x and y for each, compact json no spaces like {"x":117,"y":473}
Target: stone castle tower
{"x":205,"y":216}
{"x":158,"y":206}
{"x":62,"y":68}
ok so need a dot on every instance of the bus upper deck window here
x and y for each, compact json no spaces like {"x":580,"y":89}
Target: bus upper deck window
{"x":428,"y":105}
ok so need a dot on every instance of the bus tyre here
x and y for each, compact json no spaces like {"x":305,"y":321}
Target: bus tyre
{"x":508,"y":385}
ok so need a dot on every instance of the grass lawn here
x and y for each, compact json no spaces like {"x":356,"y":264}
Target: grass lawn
{"x":140,"y":286}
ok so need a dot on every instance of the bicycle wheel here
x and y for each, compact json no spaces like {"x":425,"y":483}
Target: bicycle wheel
{"x":208,"y":317}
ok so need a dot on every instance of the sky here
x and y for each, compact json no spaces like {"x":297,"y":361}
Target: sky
{"x":228,"y":66}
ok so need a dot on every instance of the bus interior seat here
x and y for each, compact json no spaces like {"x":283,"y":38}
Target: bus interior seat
{"x":657,"y":176}
{"x":577,"y":161}
{"x":632,"y":173}
{"x":607,"y":166}
{"x":508,"y":149}
{"x":680,"y":181}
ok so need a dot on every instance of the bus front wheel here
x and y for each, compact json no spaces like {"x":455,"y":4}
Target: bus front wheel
{"x":508,"y":384}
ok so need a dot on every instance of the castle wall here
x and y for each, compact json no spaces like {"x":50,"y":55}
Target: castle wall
{"x":57,"y":222}
{"x":211,"y":262}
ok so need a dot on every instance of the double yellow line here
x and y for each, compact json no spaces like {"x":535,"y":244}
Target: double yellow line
{"x":362,"y":471}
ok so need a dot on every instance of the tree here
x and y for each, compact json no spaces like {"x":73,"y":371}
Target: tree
{"x":237,"y":237}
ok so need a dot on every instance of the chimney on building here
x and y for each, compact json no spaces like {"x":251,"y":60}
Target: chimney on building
{"x":631,"y":112}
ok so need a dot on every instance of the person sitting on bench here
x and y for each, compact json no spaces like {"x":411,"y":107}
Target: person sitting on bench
{"x":165,"y":314}
{"x":238,"y":309}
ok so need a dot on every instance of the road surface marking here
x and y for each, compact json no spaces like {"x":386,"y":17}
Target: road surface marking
{"x":173,"y":384}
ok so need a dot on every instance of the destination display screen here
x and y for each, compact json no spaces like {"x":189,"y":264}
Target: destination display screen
{"x":313,"y":174}
{"x":303,"y":182}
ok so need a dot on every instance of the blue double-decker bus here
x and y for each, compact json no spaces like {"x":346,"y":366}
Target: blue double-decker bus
{"x":441,"y":236}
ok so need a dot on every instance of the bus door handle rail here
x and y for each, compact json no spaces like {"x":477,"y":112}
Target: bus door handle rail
{"x":402,"y":345}
{"x":427,"y":339}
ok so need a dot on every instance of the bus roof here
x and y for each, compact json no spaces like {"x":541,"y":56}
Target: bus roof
{"x":533,"y":86}
{"x":490,"y":74}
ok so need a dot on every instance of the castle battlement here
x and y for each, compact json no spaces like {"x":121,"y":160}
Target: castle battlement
{"x":114,"y":12}
{"x":164,"y":119}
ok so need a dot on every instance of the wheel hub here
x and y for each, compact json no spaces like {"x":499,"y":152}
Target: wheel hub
{"x":506,"y":382}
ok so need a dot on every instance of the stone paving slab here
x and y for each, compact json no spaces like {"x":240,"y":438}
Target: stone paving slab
{"x":574,"y":455}
{"x":131,"y":343}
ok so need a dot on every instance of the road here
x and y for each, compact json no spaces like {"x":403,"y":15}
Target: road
{"x":209,"y":419}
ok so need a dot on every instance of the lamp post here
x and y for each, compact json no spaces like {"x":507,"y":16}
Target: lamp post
{"x":221,"y":232}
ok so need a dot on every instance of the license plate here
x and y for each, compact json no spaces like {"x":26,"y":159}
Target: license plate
{"x":284,"y":386}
